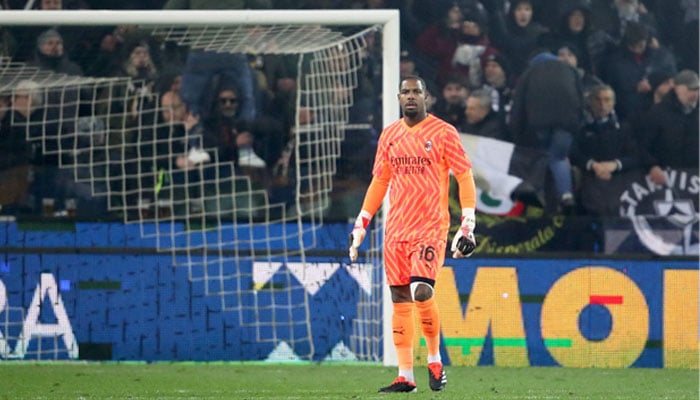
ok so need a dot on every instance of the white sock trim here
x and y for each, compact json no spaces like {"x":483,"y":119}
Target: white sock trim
{"x":408,"y":374}
{"x":435,"y":358}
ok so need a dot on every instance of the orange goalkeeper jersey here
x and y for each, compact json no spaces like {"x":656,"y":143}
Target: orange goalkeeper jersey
{"x":416,"y":161}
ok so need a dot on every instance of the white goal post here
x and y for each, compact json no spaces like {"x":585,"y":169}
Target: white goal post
{"x":211,"y":269}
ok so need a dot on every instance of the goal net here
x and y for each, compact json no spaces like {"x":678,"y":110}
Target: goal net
{"x":241,"y":241}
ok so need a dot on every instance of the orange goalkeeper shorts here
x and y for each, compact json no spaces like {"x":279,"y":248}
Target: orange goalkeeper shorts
{"x":419,"y":259}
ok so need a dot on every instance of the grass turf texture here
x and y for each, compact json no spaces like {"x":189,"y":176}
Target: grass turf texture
{"x":23,"y":380}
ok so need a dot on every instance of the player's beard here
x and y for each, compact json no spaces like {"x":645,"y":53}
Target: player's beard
{"x":411,"y":113}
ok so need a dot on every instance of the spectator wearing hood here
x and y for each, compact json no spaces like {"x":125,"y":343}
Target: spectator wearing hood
{"x":574,"y":30}
{"x":516,"y":34}
{"x":457,"y":42}
{"x":50,"y":54}
{"x":25,"y":35}
{"x":141,"y":96}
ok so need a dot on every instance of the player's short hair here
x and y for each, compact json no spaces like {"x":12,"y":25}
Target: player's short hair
{"x":414,"y":77}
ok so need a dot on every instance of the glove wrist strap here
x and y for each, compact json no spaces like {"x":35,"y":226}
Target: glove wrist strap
{"x":468,"y":218}
{"x":363,"y":219}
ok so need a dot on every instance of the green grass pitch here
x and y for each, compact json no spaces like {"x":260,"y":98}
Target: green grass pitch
{"x":79,"y":380}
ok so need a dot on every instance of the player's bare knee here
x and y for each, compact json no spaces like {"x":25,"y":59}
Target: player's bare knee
{"x":401,"y":294}
{"x":421,"y":291}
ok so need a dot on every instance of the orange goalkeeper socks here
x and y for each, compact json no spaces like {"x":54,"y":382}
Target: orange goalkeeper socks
{"x":403,"y":331}
{"x":430,"y":324}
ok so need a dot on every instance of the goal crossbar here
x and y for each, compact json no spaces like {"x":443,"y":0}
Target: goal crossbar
{"x":199,"y":17}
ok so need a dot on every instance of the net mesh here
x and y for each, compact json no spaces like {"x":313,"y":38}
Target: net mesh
{"x":239,"y":244}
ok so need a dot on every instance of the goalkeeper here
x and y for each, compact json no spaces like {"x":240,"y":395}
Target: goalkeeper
{"x":414,"y":157}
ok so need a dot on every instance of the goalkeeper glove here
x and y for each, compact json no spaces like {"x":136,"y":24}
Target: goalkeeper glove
{"x":358,"y":233}
{"x":464,"y":243}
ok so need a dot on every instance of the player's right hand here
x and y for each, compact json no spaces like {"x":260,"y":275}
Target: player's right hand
{"x":358,"y":233}
{"x":464,"y":243}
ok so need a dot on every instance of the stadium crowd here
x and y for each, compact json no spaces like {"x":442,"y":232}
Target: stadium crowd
{"x":605,"y":88}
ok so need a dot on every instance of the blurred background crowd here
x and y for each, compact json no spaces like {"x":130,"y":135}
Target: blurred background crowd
{"x":606,"y":89}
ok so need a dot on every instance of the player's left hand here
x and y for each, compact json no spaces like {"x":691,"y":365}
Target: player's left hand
{"x":358,"y":234}
{"x":464,"y":243}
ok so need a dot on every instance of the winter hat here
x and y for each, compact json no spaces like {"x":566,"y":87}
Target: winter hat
{"x":477,"y":15}
{"x":499,"y":59}
{"x":46,"y":35}
{"x":541,"y":56}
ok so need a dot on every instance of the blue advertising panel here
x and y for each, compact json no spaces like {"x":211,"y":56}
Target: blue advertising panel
{"x":100,"y":291}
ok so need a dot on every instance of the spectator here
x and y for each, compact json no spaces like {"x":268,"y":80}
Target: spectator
{"x":138,"y":64}
{"x":72,"y":35}
{"x":605,"y":152}
{"x":80,"y":42}
{"x":456,"y":42}
{"x":232,"y":136}
{"x":481,"y":119}
{"x":407,"y":66}
{"x":687,"y":48}
{"x":516,"y":34}
{"x":107,"y":59}
{"x":569,"y":54}
{"x":450,"y":106}
{"x":50,"y":181}
{"x":202,"y":66}
{"x":140,"y":95}
{"x":661,"y":83}
{"x":169,"y":80}
{"x":497,"y":80}
{"x":473,"y":46}
{"x":173,"y":154}
{"x":15,"y":156}
{"x":672,"y":130}
{"x":200,"y":69}
{"x":547,"y":111}
{"x":629,"y":66}
{"x":261,"y":87}
{"x":50,"y":54}
{"x":574,"y":31}
{"x":612,"y":17}
{"x":8,"y":43}
{"x":173,"y":134}
{"x":439,"y":42}
{"x":281,"y":73}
